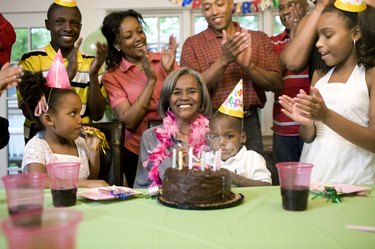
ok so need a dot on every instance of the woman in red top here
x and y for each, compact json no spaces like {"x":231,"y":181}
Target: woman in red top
{"x":134,"y":78}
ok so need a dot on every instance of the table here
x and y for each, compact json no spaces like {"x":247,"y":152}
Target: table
{"x":259,"y":222}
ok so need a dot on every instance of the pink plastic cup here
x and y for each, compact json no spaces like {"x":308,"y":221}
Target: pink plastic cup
{"x":294,"y":184}
{"x":25,"y":192}
{"x":57,"y":230}
{"x":64,"y":183}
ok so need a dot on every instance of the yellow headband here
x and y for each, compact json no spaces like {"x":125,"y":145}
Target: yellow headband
{"x":351,"y":5}
{"x":66,"y":3}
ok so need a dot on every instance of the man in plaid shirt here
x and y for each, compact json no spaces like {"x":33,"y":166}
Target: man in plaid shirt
{"x":224,"y":53}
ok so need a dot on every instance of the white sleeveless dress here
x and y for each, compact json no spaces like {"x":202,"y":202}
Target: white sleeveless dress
{"x":335,"y":159}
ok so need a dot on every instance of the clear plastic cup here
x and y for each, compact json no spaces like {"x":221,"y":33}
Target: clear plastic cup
{"x":64,"y":183}
{"x":294,"y":184}
{"x":25,"y":192}
{"x":57,"y":229}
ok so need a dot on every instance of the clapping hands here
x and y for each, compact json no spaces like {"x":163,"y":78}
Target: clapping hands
{"x":10,"y":76}
{"x":305,"y":108}
{"x":72,"y":60}
{"x":169,"y":55}
{"x":232,"y":46}
{"x":101,"y":55}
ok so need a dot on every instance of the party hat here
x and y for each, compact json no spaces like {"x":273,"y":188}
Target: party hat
{"x":66,"y":3}
{"x":57,"y":76}
{"x":351,"y":5}
{"x":233,"y":105}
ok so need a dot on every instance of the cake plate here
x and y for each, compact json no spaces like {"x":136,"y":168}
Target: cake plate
{"x":235,"y":199}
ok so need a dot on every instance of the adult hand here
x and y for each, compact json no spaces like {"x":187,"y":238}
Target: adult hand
{"x":10,"y":76}
{"x":72,"y":60}
{"x":101,"y":55}
{"x":244,"y":58}
{"x":147,"y":68}
{"x":293,"y":19}
{"x":291,"y":109}
{"x":233,"y":46}
{"x":169,"y":55}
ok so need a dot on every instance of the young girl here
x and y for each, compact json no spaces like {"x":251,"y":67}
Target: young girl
{"x":60,"y":141}
{"x":338,"y":118}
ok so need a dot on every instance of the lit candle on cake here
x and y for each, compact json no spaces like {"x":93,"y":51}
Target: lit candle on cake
{"x":174,"y":158}
{"x":218,"y":165}
{"x":190,"y":158}
{"x":203,"y":160}
{"x":217,"y":160}
{"x":180,"y":161}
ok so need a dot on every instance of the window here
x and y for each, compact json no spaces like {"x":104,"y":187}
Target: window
{"x":278,"y":27}
{"x":159,"y":30}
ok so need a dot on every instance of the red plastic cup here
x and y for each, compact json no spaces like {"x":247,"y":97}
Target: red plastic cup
{"x":294,"y":184}
{"x":64,"y":183}
{"x":25,"y":192}
{"x":57,"y":229}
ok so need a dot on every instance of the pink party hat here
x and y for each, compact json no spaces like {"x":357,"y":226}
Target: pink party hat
{"x":57,"y":76}
{"x":233,"y":105}
{"x":351,"y":5}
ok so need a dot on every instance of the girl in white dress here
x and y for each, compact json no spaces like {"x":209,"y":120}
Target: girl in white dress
{"x":338,"y":118}
{"x":60,"y":141}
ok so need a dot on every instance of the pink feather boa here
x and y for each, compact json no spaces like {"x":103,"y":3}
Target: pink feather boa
{"x":197,"y":140}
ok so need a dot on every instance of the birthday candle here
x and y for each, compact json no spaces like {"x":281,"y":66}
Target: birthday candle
{"x":218,"y":162}
{"x":180,"y":160}
{"x":190,"y":158}
{"x":215,"y":162}
{"x":203,"y":160}
{"x":174,"y":155}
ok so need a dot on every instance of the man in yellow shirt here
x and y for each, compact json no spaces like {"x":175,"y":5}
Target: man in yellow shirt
{"x":64,"y":23}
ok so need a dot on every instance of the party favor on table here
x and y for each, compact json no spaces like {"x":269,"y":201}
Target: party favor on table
{"x":109,"y":193}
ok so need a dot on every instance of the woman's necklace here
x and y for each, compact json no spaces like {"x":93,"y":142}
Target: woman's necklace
{"x":167,"y":135}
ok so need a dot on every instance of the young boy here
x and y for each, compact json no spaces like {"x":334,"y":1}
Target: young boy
{"x":247,"y":167}
{"x":64,"y":23}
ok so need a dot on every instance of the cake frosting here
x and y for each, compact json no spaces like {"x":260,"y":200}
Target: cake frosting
{"x":194,"y":186}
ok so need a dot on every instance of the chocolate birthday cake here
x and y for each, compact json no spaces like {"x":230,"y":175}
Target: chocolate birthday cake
{"x":196,"y":187}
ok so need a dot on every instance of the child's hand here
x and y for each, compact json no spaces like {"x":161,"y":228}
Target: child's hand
{"x":293,"y":111}
{"x":313,"y":105}
{"x":92,"y":141}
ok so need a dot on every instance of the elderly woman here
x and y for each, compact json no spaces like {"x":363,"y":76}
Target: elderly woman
{"x":185,"y":106}
{"x":133,"y":79}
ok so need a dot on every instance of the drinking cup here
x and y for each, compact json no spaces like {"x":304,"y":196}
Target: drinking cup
{"x":64,"y":183}
{"x":294,"y":184}
{"x":57,"y":229}
{"x":25,"y":192}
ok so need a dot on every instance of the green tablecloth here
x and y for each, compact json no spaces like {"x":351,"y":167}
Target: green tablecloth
{"x":259,"y":222}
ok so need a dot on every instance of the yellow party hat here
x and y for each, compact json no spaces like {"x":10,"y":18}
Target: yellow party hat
{"x":233,"y":105}
{"x":351,"y":5}
{"x":66,"y":3}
